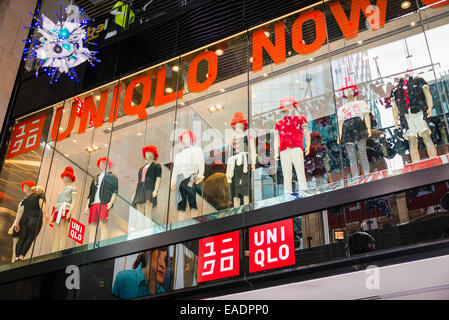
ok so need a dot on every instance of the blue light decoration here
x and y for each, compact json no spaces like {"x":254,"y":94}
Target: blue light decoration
{"x":61,"y":45}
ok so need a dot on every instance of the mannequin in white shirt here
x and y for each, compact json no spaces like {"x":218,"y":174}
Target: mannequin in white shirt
{"x":188,"y":171}
{"x":238,"y":159}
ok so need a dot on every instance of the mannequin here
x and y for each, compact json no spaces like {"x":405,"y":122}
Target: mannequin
{"x":29,"y":219}
{"x":188,"y":172}
{"x":289,"y":133}
{"x":413,"y":104}
{"x":354,"y":128}
{"x":15,"y":235}
{"x":237,"y":170}
{"x":149,"y":180}
{"x":63,"y":210}
{"x":102,"y":195}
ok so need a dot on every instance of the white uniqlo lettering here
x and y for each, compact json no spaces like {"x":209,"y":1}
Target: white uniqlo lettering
{"x":210,"y":262}
{"x":19,"y":142}
{"x":32,"y":137}
{"x":212,"y":252}
{"x":272,"y":236}
{"x":230,"y":258}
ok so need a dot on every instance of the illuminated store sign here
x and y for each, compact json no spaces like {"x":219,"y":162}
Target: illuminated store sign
{"x":271,"y":246}
{"x":218,"y":257}
{"x":275,"y":48}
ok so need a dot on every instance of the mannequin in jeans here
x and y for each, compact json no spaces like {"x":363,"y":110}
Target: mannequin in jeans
{"x":288,"y":139}
{"x":95,"y":198}
{"x":354,"y":128}
{"x":188,"y":172}
{"x":241,"y":147}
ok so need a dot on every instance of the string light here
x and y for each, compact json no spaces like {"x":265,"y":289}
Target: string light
{"x":61,"y":46}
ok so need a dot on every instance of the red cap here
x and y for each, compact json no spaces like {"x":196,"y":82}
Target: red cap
{"x":68,"y":172}
{"x":288,"y":101}
{"x":239,"y":118}
{"x":190,"y":133}
{"x":151,"y":149}
{"x":349,"y":85}
{"x":109,"y":162}
{"x":217,"y":165}
{"x":28,"y":183}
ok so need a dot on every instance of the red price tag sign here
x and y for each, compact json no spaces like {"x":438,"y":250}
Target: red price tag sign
{"x":76,"y":231}
{"x":26,"y":136}
{"x":271,"y":246}
{"x":219,"y":257}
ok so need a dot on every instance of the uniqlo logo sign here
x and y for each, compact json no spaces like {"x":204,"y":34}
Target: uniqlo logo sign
{"x":76,"y":231}
{"x":271,"y":246}
{"x":219,"y":257}
{"x":26,"y":136}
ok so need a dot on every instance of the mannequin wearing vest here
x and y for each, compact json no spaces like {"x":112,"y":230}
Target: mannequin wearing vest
{"x":412,"y":104}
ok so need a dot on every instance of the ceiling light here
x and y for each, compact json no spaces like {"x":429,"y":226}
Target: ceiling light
{"x":133,"y":103}
{"x":310,"y":59}
{"x":413,"y":23}
{"x":89,"y":149}
{"x":360,"y":42}
{"x":219,"y":52}
{"x":97,"y":97}
{"x":212,"y":109}
{"x":267,"y":33}
{"x":222,"y":90}
{"x":265,"y":75}
{"x":74,"y":141}
{"x":139,"y":134}
{"x":168,"y":90}
{"x":95,"y":148}
{"x":251,"y":59}
{"x":219,"y":106}
{"x":175,"y":68}
{"x":405,"y":4}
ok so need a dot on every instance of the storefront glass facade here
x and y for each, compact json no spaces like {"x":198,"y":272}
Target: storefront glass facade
{"x":343,"y":93}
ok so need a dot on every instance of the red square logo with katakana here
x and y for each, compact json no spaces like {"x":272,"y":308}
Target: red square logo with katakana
{"x":26,"y":136}
{"x":219,"y":257}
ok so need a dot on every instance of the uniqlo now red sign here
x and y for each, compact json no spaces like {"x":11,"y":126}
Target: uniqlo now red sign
{"x":271,"y":246}
{"x":219,"y":257}
{"x":76,"y":231}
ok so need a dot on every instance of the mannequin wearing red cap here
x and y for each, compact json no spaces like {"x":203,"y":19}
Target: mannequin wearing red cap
{"x":289,"y":132}
{"x":29,"y":217}
{"x":102,"y":195}
{"x":188,"y":172}
{"x":62,"y":211}
{"x":149,"y":180}
{"x":354,"y":128}
{"x":237,"y":170}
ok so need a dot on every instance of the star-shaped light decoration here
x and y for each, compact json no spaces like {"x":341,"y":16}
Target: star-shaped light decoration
{"x":61,"y":45}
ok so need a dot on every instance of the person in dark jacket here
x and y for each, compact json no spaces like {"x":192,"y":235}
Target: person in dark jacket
{"x":102,"y":195}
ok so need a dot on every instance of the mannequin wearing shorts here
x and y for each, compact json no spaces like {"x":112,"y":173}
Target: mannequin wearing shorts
{"x":288,"y":143}
{"x":241,"y":147}
{"x":354,"y":128}
{"x":102,"y":195}
{"x":149,"y":180}
{"x":63,"y":209}
{"x":412,"y":105}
